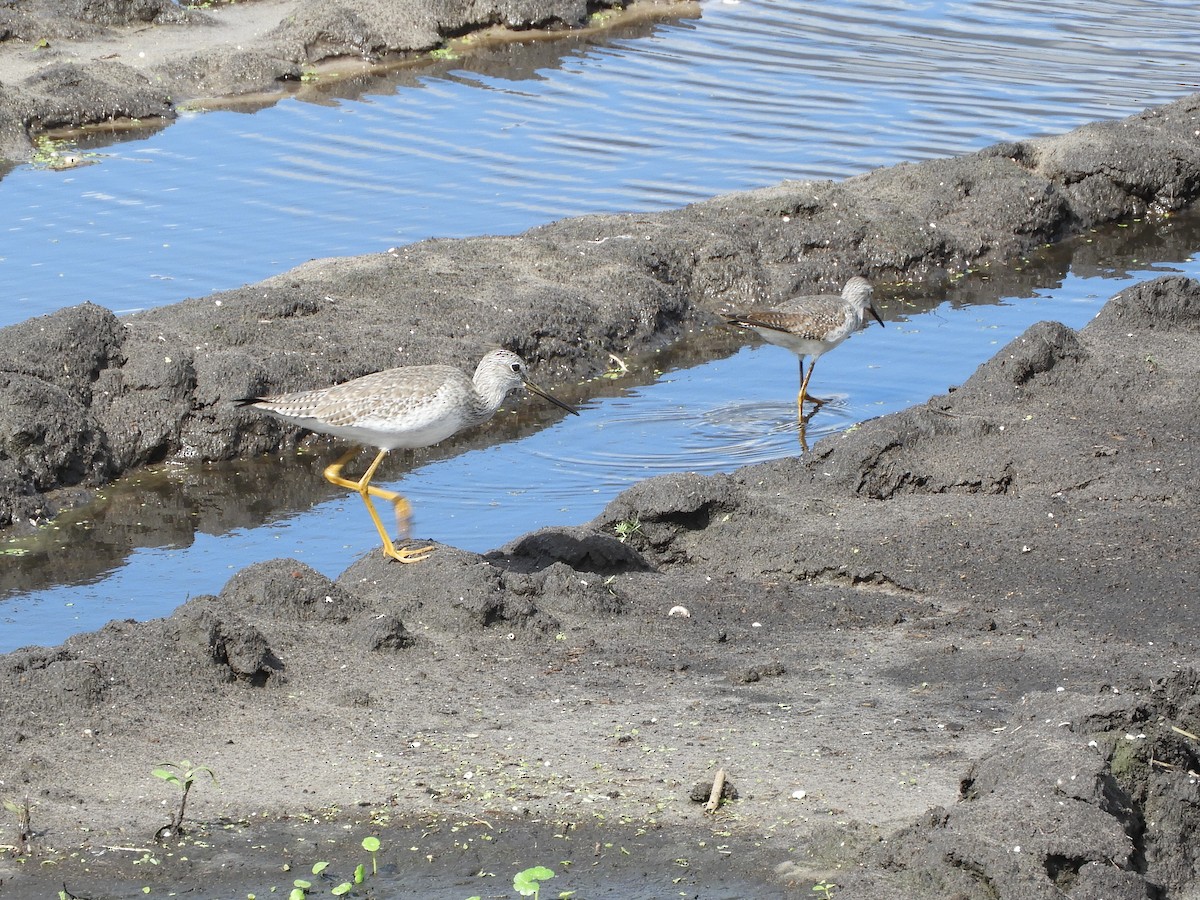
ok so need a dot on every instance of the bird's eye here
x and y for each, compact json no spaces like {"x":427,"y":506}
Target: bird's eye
{"x":516,"y":367}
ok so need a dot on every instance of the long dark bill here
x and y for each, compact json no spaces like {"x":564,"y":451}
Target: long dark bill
{"x":548,"y":396}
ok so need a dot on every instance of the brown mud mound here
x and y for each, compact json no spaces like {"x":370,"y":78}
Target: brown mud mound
{"x":73,"y":63}
{"x":950,"y":653}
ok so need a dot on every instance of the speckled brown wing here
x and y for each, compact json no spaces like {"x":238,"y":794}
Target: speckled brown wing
{"x":429,"y":401}
{"x":811,"y":318}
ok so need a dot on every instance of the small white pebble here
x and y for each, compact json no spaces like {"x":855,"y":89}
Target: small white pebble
{"x":680,"y":611}
{"x":799,"y":795}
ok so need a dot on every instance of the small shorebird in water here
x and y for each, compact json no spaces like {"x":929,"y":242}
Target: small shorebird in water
{"x":409,"y":407}
{"x":810,"y":325}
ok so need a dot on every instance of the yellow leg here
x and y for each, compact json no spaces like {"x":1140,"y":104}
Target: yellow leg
{"x":801,"y":418}
{"x":804,"y":388}
{"x":800,"y":396}
{"x":333,"y":474}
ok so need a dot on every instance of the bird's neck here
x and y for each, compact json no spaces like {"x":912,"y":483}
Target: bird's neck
{"x":491,"y":394}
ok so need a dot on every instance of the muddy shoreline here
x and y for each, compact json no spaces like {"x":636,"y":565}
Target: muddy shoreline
{"x":951,"y":652}
{"x":67,"y":65}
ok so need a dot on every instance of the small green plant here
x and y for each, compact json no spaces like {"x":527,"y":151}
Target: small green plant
{"x":24,"y":831}
{"x":46,"y":151}
{"x":618,"y":368}
{"x":183,"y":777}
{"x":301,"y":887}
{"x":443,"y":53}
{"x":628,"y":528}
{"x":57,"y":155}
{"x":319,"y":869}
{"x":528,"y":882}
{"x":371,"y":845}
{"x":824,"y":889}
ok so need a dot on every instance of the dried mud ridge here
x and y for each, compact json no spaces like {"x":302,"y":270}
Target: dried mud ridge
{"x":995,"y":697}
{"x":73,"y":63}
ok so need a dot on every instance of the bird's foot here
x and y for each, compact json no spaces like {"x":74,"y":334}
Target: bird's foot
{"x":409,"y":555}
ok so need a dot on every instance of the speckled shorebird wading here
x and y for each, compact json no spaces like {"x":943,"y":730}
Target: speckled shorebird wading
{"x":405,"y":408}
{"x":810,"y":325}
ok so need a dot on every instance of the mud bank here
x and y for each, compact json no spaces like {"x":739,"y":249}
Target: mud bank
{"x":67,"y":64}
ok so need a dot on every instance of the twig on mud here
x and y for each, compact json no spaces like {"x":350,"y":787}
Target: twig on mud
{"x":944,"y":412}
{"x":127,"y":849}
{"x":1186,"y":734}
{"x":1173,"y":767}
{"x":714,"y":797}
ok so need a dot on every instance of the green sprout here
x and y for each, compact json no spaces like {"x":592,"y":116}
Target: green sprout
{"x":628,"y":528}
{"x":527,"y":882}
{"x":371,"y":845}
{"x":824,"y":889}
{"x":24,"y":829}
{"x":183,"y":777}
{"x":58,"y":155}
